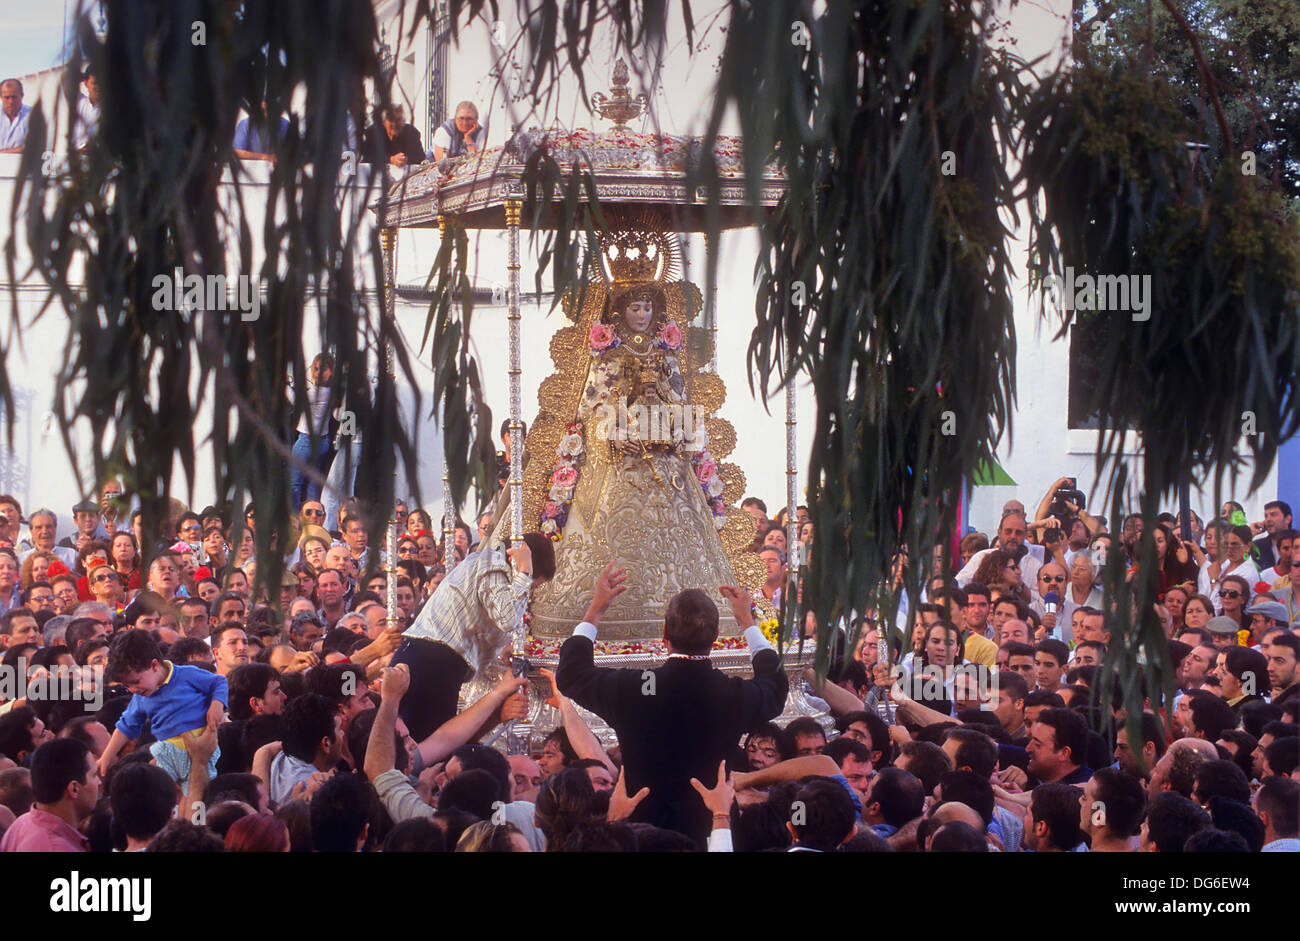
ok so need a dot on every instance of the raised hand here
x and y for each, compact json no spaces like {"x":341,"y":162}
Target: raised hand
{"x":738,"y":598}
{"x":201,"y":745}
{"x":556,"y":699}
{"x":302,"y":660}
{"x":522,"y":557}
{"x":394,"y":682}
{"x":718,"y":798}
{"x":611,"y":584}
{"x":620,"y":805}
{"x":515,"y":707}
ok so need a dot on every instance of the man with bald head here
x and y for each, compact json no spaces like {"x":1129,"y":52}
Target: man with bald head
{"x":1011,"y":536}
{"x":950,"y":812}
{"x":1053,"y":580}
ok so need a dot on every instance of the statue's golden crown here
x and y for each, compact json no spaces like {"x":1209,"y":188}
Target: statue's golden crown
{"x":636,"y":255}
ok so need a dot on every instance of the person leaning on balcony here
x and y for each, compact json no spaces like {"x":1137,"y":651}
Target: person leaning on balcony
{"x":13,"y":117}
{"x":461,"y":136}
{"x":394,"y":141}
{"x":254,"y":140}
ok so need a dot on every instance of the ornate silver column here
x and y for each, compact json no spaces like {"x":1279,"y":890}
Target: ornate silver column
{"x":448,"y":509}
{"x":516,"y":737}
{"x":448,"y":522}
{"x":791,"y":501}
{"x":713,"y":306}
{"x":388,"y":242}
{"x":513,"y":207}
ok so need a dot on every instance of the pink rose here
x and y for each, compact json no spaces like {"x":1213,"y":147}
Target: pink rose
{"x":551,"y":510}
{"x":670,"y":335}
{"x":564,"y":477}
{"x":705,"y":471}
{"x":601,"y":336}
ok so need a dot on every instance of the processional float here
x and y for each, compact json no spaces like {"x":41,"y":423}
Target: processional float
{"x":625,"y":453}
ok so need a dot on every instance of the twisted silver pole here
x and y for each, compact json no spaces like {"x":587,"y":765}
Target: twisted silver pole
{"x":513,"y":208}
{"x":448,"y":508}
{"x":388,"y":242}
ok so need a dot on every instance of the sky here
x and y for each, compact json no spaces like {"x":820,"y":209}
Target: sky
{"x":31,"y":38}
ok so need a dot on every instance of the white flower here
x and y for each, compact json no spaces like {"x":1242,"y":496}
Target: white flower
{"x":719,"y":521}
{"x":714,"y":486}
{"x":549,"y":527}
{"x":571,"y":445}
{"x":561,"y":494}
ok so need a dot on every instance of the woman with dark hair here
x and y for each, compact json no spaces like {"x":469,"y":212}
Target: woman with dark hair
{"x":1234,"y":596}
{"x":1173,"y":558}
{"x":999,"y":567}
{"x":418,"y":520}
{"x":257,"y":833}
{"x":564,"y":803}
{"x":124,"y":555}
{"x":1197,"y":612}
{"x":93,"y":550}
{"x":305,"y":572}
{"x":313,"y":549}
{"x":1235,"y":544}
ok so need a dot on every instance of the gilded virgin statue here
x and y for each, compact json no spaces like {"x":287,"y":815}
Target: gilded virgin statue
{"x":629,"y":424}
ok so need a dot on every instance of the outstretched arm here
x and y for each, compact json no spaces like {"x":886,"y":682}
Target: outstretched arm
{"x":837,"y":697}
{"x":792,"y":770}
{"x":461,"y":727}
{"x":381,"y":750}
{"x":1045,"y":504}
{"x":583,"y":740}
{"x":909,"y":710}
{"x":201,"y":748}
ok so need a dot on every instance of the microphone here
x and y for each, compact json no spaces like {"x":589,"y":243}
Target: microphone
{"x":1050,"y":601}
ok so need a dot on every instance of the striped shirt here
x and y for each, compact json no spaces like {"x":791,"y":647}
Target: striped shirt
{"x":476,"y":609}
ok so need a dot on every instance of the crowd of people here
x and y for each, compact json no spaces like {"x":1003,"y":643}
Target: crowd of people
{"x":205,"y":711}
{"x":388,"y":140}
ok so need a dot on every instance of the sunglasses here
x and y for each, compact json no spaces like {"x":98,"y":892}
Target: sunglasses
{"x":1051,"y":578}
{"x":320,"y":513}
{"x":105,"y":578}
{"x":1229,"y":594}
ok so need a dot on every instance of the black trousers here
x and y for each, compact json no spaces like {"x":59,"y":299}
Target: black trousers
{"x":437,"y":673}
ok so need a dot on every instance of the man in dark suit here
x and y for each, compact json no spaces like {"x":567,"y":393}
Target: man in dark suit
{"x":679,"y":721}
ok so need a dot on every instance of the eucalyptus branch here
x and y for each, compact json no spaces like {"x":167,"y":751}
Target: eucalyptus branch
{"x":1211,"y":87}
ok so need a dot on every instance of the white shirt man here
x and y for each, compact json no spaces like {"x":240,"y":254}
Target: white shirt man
{"x":14,"y":116}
